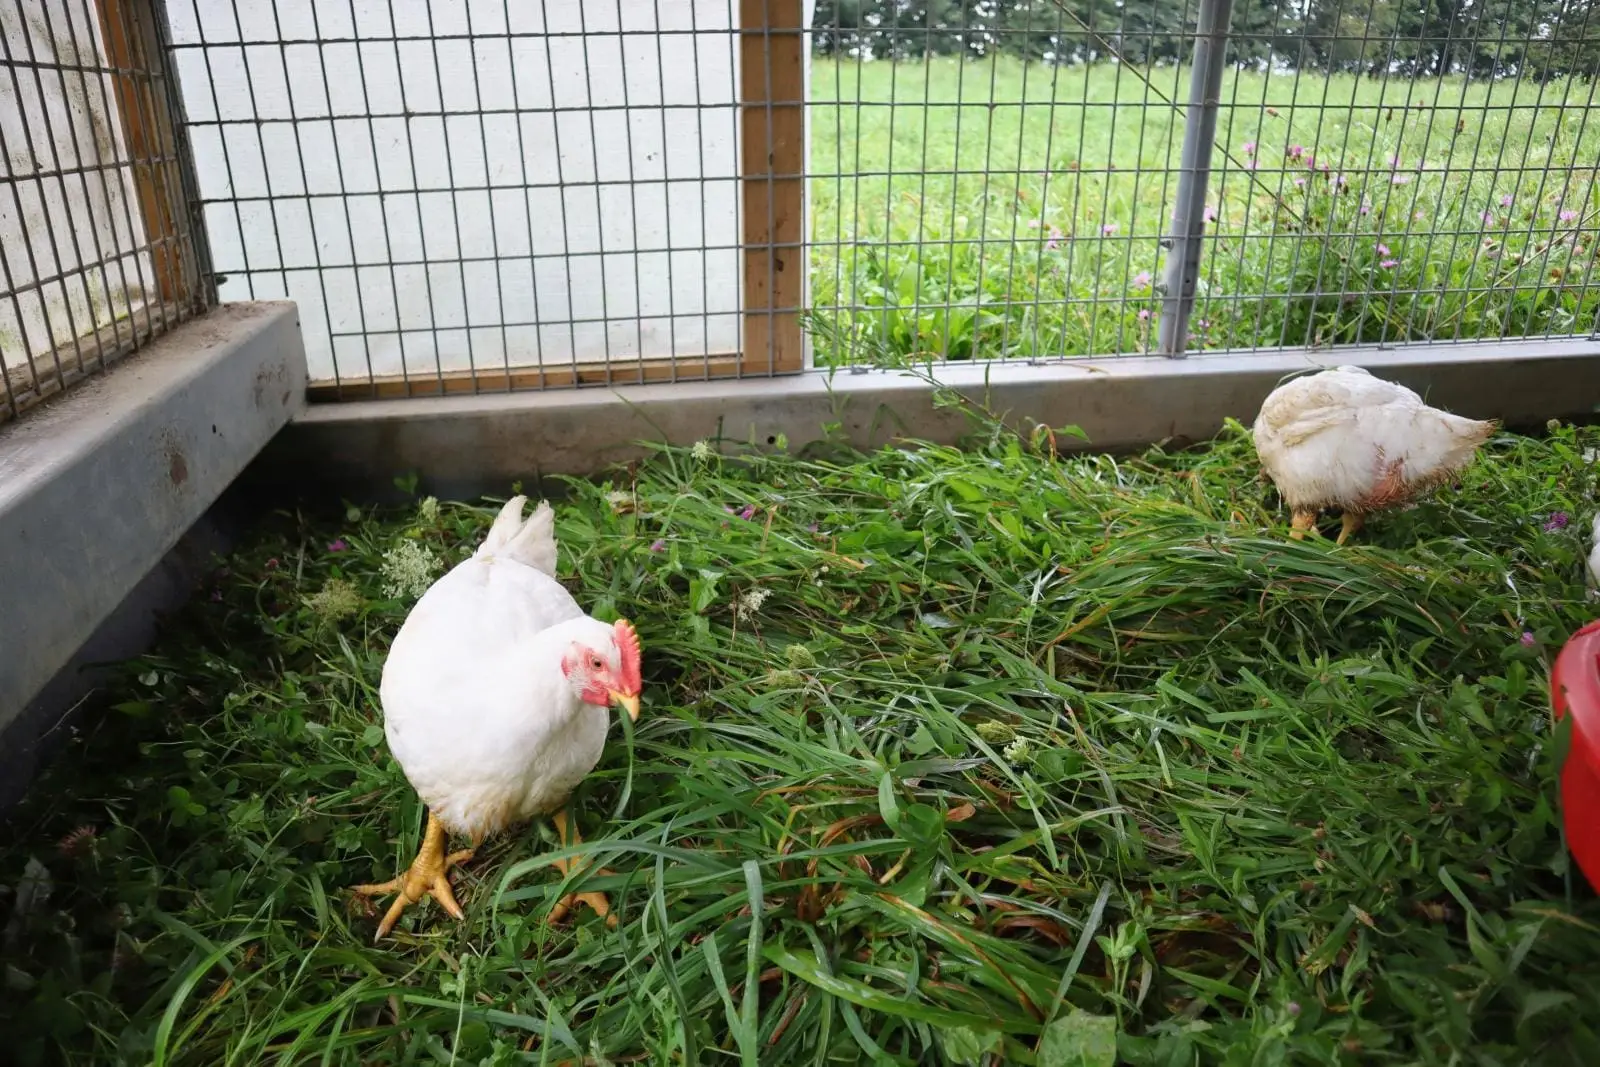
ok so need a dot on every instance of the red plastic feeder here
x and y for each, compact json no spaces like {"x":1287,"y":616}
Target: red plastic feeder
{"x":1575,"y":687}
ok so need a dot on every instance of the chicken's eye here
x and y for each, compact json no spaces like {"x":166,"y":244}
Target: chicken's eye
{"x":596,"y":663}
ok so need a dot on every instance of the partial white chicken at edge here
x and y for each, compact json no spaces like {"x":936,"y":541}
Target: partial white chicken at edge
{"x":1594,"y":557}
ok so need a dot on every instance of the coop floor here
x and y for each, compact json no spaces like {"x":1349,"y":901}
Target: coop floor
{"x":931,"y":739}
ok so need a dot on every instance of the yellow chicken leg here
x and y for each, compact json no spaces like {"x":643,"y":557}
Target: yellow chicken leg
{"x":1302,"y":523}
{"x":1350,"y":523}
{"x":428,"y":875}
{"x":597,"y":901}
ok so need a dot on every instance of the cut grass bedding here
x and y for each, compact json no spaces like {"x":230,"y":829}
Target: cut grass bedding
{"x":947,"y":756}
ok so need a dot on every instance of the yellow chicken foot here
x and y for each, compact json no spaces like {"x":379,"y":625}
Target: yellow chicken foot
{"x":1302,"y":523}
{"x":568,"y":832}
{"x":428,"y":875}
{"x":1349,"y":524}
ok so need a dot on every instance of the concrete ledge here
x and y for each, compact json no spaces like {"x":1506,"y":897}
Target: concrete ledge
{"x":461,"y":446}
{"x":98,"y":486}
{"x":51,"y":719}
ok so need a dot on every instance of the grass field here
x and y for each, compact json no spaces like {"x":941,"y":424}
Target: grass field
{"x":966,"y":757}
{"x":1484,"y":225}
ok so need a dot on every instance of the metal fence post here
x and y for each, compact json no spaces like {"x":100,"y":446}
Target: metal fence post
{"x":1182,"y":269}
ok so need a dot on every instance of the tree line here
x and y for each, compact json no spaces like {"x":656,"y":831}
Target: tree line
{"x":1537,"y":39}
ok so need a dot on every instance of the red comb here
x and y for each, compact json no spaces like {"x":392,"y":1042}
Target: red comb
{"x":628,"y":644}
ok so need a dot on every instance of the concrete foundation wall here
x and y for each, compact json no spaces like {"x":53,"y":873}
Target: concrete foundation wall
{"x":52,"y":718}
{"x":97,"y":487}
{"x":462,"y":446}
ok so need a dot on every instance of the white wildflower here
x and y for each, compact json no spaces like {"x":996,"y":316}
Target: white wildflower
{"x":1018,"y":752}
{"x":428,"y":510}
{"x":337,"y":599}
{"x":750,"y":601}
{"x":994,"y":731}
{"x":408,"y":570}
{"x":701,"y":451}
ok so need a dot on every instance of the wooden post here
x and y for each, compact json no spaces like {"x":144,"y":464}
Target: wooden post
{"x":772,"y":133}
{"x":132,"y":49}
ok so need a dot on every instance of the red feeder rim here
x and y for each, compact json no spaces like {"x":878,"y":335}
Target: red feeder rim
{"x":1575,"y":688}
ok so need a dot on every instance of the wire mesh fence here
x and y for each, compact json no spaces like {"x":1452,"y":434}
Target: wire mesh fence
{"x":483,"y":195}
{"x":467,"y":196}
{"x":999,"y":180}
{"x":97,"y":245}
{"x":470,"y":195}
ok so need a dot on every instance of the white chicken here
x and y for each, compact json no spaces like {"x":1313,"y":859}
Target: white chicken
{"x":495,"y":702}
{"x":1594,"y":557}
{"x":1345,"y":439}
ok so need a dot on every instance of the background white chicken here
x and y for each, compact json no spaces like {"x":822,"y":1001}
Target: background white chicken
{"x":495,"y":701}
{"x":1594,"y":557}
{"x":1345,"y":439}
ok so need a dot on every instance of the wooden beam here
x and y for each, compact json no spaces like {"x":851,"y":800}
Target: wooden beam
{"x":773,"y":146}
{"x":468,"y":382}
{"x":132,"y":49}
{"x":54,"y":371}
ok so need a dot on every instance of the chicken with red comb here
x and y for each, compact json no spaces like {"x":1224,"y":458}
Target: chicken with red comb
{"x":496,"y":697}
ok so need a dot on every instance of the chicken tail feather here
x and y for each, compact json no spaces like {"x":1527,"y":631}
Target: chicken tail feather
{"x":531,"y":543}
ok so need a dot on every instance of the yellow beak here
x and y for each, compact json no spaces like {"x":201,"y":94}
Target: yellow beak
{"x":629,"y":704}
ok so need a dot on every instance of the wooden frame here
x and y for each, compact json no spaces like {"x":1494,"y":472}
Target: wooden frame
{"x":525,"y":379}
{"x":52,"y":372}
{"x":771,"y":37}
{"x":131,"y":55}
{"x":772,"y":81}
{"x":132,"y":46}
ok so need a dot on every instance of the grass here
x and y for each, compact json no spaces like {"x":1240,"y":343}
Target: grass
{"x":942,"y":750}
{"x":1485,"y":226}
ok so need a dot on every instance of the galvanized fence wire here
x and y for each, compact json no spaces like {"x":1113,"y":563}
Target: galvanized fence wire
{"x":1000,"y":180}
{"x":1445,"y":209}
{"x":495,"y":196}
{"x":98,"y":250}
{"x":477,"y":196}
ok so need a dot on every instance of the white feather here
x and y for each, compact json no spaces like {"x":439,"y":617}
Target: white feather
{"x":532,"y":543}
{"x":477,"y":709}
{"x":1594,"y":552}
{"x":1328,"y":439}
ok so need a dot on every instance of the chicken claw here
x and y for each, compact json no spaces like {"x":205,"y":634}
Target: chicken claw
{"x":428,"y":875}
{"x":1302,"y":523}
{"x":1349,"y":524}
{"x":596,"y":901}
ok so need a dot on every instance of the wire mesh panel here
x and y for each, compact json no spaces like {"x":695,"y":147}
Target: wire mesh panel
{"x":987,"y":181}
{"x":1434,"y":181}
{"x":493,"y":195}
{"x":476,"y":194}
{"x":97,"y":245}
{"x":998,"y":179}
